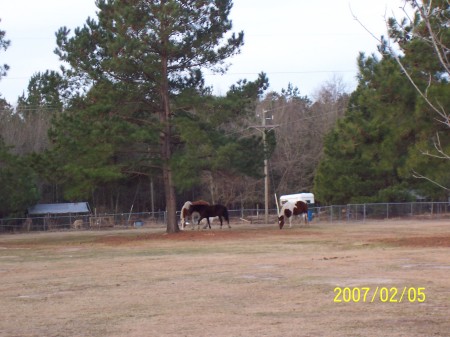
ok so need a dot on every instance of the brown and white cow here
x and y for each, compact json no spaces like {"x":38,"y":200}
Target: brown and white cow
{"x":289,"y":209}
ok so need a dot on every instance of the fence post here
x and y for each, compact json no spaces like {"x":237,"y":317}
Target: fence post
{"x":364,"y":213}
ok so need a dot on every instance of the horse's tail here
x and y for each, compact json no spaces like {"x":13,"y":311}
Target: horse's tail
{"x":225,"y":214}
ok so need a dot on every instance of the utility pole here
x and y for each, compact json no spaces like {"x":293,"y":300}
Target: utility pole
{"x":266,"y":172}
{"x":263,"y":127}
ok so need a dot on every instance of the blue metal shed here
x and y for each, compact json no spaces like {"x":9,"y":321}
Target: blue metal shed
{"x":62,"y":208}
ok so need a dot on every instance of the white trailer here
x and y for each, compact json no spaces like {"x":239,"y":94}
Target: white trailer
{"x":305,"y":197}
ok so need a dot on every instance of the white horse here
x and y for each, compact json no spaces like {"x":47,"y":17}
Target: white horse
{"x":289,"y":209}
{"x":184,"y":215}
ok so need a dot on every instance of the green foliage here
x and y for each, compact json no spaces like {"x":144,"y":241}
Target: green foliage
{"x":94,"y":142}
{"x":158,"y":50}
{"x":209,"y":130}
{"x":396,"y":193}
{"x":4,"y":44}
{"x":18,"y":188}
{"x":426,"y":61}
{"x":403,"y":135}
{"x":45,"y":90}
{"x":142,"y":42}
{"x":371,"y":153}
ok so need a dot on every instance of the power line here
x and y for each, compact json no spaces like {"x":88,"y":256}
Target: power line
{"x":240,"y":73}
{"x":282,"y":72}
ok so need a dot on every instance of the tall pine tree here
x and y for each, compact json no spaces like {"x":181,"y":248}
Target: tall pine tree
{"x":368,"y":156}
{"x":154,"y":48}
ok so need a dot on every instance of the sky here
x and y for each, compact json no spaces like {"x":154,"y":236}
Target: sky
{"x":302,"y":42}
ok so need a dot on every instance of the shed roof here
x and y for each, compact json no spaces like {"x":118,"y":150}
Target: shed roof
{"x":63,"y":208}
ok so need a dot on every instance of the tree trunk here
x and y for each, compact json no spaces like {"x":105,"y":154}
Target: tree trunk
{"x":172,"y":225}
{"x":165,"y":139}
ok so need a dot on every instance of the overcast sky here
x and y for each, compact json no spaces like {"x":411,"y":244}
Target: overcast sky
{"x":302,"y":42}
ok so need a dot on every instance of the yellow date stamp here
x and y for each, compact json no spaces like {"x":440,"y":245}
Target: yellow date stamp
{"x":379,"y":294}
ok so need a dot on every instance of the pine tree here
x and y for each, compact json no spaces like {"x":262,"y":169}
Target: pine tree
{"x":369,"y":155}
{"x":17,"y":183}
{"x":4,"y":44}
{"x":155,"y":47}
{"x":212,"y":133}
{"x":424,"y":40}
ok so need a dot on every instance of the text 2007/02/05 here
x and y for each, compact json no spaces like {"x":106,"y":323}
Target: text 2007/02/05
{"x":379,"y":294}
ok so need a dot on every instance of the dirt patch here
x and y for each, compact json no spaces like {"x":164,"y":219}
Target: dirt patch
{"x":242,"y":233}
{"x":429,"y":241}
{"x":252,"y":280}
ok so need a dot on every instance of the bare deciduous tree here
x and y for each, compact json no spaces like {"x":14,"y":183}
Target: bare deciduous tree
{"x":301,"y":131}
{"x":25,"y":133}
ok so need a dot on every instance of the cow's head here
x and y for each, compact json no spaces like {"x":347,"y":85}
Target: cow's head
{"x":281,"y":221}
{"x":286,"y":214}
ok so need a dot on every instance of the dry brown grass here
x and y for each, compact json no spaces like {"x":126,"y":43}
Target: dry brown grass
{"x":252,"y":280}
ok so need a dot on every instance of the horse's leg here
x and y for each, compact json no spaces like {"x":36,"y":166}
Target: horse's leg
{"x":185,"y":220}
{"x":210,"y":221}
{"x":228,"y":222}
{"x":193,"y":219}
{"x":227,"y":218}
{"x":205,"y":225}
{"x":209,"y":224}
{"x":198,"y":222}
{"x":220,"y":218}
{"x":182,"y":219}
{"x":290,"y":222}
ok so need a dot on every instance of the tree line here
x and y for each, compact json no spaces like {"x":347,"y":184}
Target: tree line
{"x":394,"y":142}
{"x":129,"y":123}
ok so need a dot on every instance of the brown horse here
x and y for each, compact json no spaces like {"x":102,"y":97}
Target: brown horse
{"x":210,"y":211}
{"x":289,"y":209}
{"x":184,"y":214}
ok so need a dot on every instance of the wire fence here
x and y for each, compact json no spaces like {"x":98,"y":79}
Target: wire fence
{"x":384,"y":211}
{"x":339,"y":213}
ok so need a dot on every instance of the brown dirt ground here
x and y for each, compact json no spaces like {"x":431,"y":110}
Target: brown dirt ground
{"x":252,"y":280}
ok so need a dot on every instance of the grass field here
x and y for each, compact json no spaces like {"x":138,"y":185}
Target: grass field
{"x":386,"y":278}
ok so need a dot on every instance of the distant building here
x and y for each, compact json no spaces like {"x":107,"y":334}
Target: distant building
{"x":57,"y":216}
{"x":72,"y":208}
